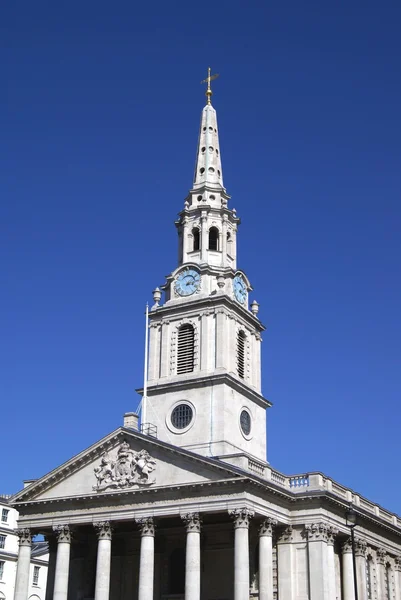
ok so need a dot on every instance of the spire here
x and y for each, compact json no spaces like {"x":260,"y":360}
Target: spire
{"x":208,"y":171}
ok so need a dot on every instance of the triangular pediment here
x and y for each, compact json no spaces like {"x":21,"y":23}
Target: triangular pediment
{"x":124,"y":461}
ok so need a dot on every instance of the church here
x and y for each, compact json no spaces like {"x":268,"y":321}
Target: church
{"x":185,"y":505}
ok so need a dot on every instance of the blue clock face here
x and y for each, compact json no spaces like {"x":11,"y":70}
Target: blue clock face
{"x":239,"y":289}
{"x":187,"y":282}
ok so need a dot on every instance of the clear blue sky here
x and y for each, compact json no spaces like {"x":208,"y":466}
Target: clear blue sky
{"x":99,"y":120}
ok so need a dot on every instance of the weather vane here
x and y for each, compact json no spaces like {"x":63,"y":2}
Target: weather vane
{"x":208,"y":79}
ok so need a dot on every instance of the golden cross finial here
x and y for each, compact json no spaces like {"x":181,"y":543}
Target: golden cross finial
{"x":208,"y":79}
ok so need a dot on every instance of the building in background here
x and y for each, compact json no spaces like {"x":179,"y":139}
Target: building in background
{"x":188,"y":506}
{"x":9,"y":554}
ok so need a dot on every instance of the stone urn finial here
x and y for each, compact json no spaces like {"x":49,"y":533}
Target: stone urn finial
{"x":254,"y":308}
{"x":156,"y":297}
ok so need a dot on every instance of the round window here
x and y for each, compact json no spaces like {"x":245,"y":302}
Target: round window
{"x":245,"y":420}
{"x":181,"y":416}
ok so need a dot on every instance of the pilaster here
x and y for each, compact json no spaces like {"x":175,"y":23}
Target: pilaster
{"x":380,"y":572}
{"x":285,"y":564}
{"x":360,"y":561}
{"x":317,"y":535}
{"x":397,"y":578}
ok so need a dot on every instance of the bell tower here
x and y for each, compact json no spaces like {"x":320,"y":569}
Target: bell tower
{"x":204,"y":373}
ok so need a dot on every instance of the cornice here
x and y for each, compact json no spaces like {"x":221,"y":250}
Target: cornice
{"x":199,"y":303}
{"x":198,"y":380}
{"x":71,"y":466}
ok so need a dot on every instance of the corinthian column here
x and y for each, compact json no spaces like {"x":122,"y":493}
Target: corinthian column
{"x":192,"y":556}
{"x":360,"y":561}
{"x":23,"y":564}
{"x":103,"y":563}
{"x":241,"y":519}
{"x":285,"y":569}
{"x":397,"y":577}
{"x":147,"y":558}
{"x":381,"y":574}
{"x":317,"y":552}
{"x":331,"y":566}
{"x":348,"y":571}
{"x":63,"y":535}
{"x":266,"y":559}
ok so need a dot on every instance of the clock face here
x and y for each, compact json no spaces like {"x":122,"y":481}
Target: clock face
{"x":187,"y":282}
{"x":239,"y":289}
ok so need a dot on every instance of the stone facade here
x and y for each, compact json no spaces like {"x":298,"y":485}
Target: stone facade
{"x":188,"y":507}
{"x":10,"y":538}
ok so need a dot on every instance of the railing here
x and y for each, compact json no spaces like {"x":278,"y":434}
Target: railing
{"x":256,"y":467}
{"x":317,"y":481}
{"x":298,"y":481}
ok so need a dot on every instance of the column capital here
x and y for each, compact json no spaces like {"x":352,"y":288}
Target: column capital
{"x":397,"y":563}
{"x":346,"y":546}
{"x":146,"y":525}
{"x":360,"y":547}
{"x":285,"y":535}
{"x":62,"y":533}
{"x":380,"y":555}
{"x":317,"y":532}
{"x":24,"y":536}
{"x":266,"y":527}
{"x":192,"y":522}
{"x":332,"y":533}
{"x":103,"y":530}
{"x":241,"y":517}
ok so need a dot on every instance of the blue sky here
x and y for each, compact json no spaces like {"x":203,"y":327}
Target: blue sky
{"x":99,"y":121}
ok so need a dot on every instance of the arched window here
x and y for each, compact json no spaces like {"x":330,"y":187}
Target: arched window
{"x":176,"y":571}
{"x":196,"y":238}
{"x":185,"y":349}
{"x":241,"y":339}
{"x":213,"y":238}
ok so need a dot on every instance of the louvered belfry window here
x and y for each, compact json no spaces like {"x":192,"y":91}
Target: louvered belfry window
{"x":241,"y":354}
{"x":185,"y":349}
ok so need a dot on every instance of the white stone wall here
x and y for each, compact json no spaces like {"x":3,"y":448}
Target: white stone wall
{"x":10,"y":555}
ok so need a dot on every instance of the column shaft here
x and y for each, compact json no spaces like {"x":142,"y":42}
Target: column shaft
{"x":23,"y":565}
{"x":241,"y":552}
{"x":146,"y":568}
{"x":241,"y":564}
{"x":192,"y":566}
{"x":397,"y":579}
{"x":266,"y":560}
{"x":147,"y":559}
{"x":62,"y":571}
{"x":103,"y":563}
{"x":348,"y":574}
{"x":331,"y":572}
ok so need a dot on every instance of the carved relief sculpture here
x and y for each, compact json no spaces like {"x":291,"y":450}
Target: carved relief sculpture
{"x":130,"y":470}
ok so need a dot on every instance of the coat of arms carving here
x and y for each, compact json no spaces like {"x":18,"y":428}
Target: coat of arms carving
{"x":130,"y":469}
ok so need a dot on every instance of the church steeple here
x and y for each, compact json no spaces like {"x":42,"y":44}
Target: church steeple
{"x":204,"y":380}
{"x":208,"y":170}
